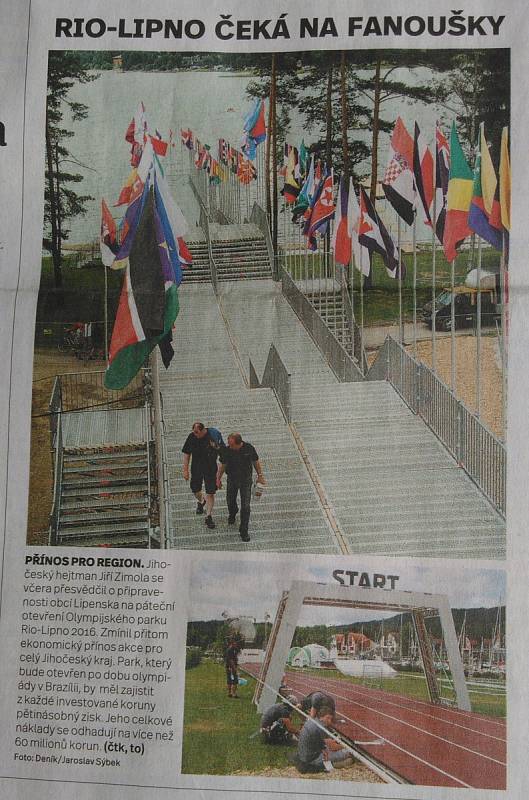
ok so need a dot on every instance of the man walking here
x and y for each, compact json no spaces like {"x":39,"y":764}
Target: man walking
{"x":231,"y":662}
{"x":201,"y":448}
{"x":237,"y":460}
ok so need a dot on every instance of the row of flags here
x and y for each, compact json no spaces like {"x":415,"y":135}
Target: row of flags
{"x":455,"y":200}
{"x":229,"y":160}
{"x":149,"y":247}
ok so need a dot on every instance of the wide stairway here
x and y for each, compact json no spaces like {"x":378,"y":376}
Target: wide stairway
{"x":392,"y":487}
{"x":239,"y":252}
{"x":204,"y":382}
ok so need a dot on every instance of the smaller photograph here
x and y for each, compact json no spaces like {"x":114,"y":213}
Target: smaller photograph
{"x":366,"y":671}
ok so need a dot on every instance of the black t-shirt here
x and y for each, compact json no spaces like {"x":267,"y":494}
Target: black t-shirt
{"x":231,"y":657}
{"x":238,"y":463}
{"x":203,"y":451}
{"x":275,"y":712}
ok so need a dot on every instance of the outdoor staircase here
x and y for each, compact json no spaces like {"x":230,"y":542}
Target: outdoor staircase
{"x":236,"y":259}
{"x":198,"y":271}
{"x":105,"y":497}
{"x":330,"y":306}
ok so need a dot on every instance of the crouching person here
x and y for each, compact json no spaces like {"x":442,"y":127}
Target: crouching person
{"x":276,"y":724}
{"x":316,"y":751}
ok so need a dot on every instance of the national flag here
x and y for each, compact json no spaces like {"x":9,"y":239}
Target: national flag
{"x":304,"y":198}
{"x":291,"y":186}
{"x":505,"y":180}
{"x":373,"y":235}
{"x":254,"y":129}
{"x":184,"y":254}
{"x":108,"y":238}
{"x":246,"y":171}
{"x":341,"y":240}
{"x":303,"y":159}
{"x":361,"y":254}
{"x":398,"y":183}
{"x":187,"y":138}
{"x":458,"y":198}
{"x":442,"y":170}
{"x":484,"y":206}
{"x":159,"y":146}
{"x":322,"y":212}
{"x":148,"y":303}
{"x":223,"y":151}
{"x":214,"y":172}
{"x":128,"y":189}
{"x":423,"y":173}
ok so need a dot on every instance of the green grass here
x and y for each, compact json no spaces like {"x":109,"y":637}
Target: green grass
{"x":381,"y":304}
{"x":218,"y":731}
{"x":415,"y":687}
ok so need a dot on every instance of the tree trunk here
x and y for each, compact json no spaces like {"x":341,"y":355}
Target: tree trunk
{"x":273,"y":144}
{"x":55,"y":242}
{"x":368,"y":280}
{"x":328,"y":156}
{"x":345,"y":144}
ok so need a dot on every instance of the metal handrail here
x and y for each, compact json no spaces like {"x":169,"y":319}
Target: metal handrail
{"x":204,"y":221}
{"x":57,"y":482}
{"x":258,"y":217}
{"x":477,"y":450}
{"x":336,"y":355}
{"x":277,"y":378}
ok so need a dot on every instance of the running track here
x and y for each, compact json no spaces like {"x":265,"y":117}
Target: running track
{"x":422,"y":743}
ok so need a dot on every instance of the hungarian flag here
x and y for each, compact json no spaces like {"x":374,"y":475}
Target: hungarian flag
{"x":108,"y":238}
{"x":423,"y":173}
{"x":322,"y":212}
{"x":484,"y":216}
{"x":341,"y":240}
{"x":442,"y":170}
{"x":458,"y":198}
{"x":148,"y":303}
{"x":374,"y":236}
{"x":505,"y":180}
{"x":398,"y":183}
{"x":254,"y":129}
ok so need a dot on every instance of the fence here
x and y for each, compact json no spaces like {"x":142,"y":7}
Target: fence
{"x":276,"y":377}
{"x":475,"y":448}
{"x":58,"y":456}
{"x":83,"y":390}
{"x":339,"y":360}
{"x":259,"y":218}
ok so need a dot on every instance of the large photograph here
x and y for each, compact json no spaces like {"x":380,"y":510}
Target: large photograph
{"x":368,"y":672}
{"x":273,"y":308}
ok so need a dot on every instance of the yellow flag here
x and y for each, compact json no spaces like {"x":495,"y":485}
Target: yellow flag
{"x":489,"y":181}
{"x":505,"y":180}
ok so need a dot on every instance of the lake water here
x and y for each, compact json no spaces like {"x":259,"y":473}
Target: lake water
{"x":212,"y":104}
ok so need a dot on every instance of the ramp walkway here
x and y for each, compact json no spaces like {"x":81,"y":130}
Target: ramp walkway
{"x":393,"y":487}
{"x":204,"y":382}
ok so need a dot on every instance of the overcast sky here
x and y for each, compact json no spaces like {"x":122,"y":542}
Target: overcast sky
{"x":253,"y":586}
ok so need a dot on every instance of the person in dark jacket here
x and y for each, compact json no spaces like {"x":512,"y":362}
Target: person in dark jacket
{"x":316,"y":750}
{"x":238,"y":460}
{"x":276,"y":723}
{"x":201,"y":449}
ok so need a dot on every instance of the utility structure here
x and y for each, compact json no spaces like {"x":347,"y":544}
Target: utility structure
{"x":419,"y":604}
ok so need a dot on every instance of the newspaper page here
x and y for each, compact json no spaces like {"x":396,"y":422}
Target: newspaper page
{"x":263,"y":433}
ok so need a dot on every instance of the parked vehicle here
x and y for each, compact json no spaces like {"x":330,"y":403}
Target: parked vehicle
{"x":465,"y":308}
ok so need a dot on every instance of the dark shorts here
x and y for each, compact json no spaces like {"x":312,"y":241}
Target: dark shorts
{"x":206,"y":475}
{"x":232,"y":679}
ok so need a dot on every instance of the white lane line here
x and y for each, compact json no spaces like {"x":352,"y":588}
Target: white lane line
{"x":360,"y":690}
{"x":403,"y":750}
{"x":423,"y":730}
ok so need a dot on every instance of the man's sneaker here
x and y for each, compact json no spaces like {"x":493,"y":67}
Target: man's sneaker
{"x":231,"y":520}
{"x":200,"y":507}
{"x":244,"y":536}
{"x":209,"y":522}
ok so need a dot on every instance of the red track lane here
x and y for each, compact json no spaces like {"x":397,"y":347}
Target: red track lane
{"x":423,"y":743}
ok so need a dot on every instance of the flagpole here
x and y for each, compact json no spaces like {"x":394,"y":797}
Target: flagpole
{"x":352,"y":288}
{"x":503,"y":290}
{"x":106,"y":314}
{"x":361,"y":314}
{"x":434,"y":256}
{"x":478,"y":338}
{"x":452,"y":329}
{"x":414,"y":235}
{"x":401,"y":325}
